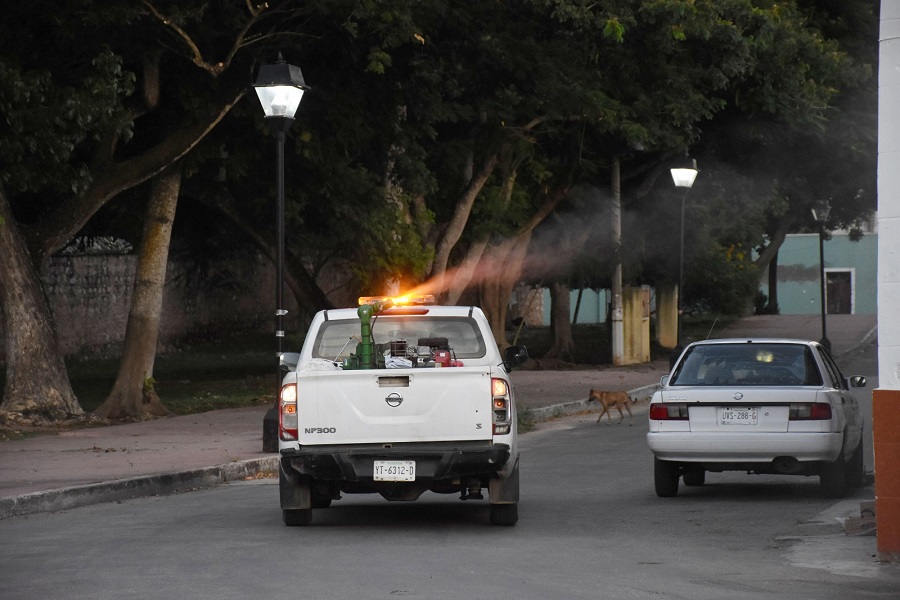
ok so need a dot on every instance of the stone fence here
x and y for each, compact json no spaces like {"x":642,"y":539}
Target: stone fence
{"x":90,"y":296}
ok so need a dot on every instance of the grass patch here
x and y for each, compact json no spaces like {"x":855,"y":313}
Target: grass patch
{"x":203,"y":376}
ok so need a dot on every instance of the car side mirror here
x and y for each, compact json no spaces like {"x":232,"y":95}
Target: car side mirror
{"x":514,"y":356}
{"x":663,"y":381}
{"x":857,"y":381}
{"x":288,"y":361}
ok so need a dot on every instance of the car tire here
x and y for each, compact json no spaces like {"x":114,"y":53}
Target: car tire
{"x":297,"y":517}
{"x":832,"y":478}
{"x":694,"y":477}
{"x":856,"y":470}
{"x":504,"y":514}
{"x":665,"y":477}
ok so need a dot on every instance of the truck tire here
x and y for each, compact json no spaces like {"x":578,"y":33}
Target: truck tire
{"x":270,"y":430}
{"x":665,"y":477}
{"x":297,"y":518}
{"x":504,"y":514}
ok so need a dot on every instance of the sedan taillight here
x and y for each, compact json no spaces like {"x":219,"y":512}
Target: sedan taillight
{"x":674,"y":411}
{"x":287,"y":412}
{"x":819,"y":411}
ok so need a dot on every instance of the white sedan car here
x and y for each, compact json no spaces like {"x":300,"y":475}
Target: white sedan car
{"x":760,"y":406}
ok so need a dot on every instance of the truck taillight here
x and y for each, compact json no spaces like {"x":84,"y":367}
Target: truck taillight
{"x":818,"y":411}
{"x":502,"y":422}
{"x":287,"y":413}
{"x":673,"y":411}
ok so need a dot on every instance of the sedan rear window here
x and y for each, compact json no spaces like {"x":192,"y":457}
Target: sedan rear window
{"x":748,"y":364}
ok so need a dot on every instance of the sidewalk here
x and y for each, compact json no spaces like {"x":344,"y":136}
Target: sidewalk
{"x":120,"y":462}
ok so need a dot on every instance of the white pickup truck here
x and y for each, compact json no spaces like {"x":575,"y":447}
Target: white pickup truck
{"x":397,"y":399}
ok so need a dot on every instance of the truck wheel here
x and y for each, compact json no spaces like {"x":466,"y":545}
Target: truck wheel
{"x":504,"y":514}
{"x":297,"y":518}
{"x":665,"y":477}
{"x":832,"y":478}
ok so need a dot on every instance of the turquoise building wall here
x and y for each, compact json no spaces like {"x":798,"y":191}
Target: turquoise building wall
{"x":798,"y":271}
{"x":591,"y":311}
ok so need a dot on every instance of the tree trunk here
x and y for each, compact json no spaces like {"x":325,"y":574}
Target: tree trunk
{"x":563,"y":347}
{"x":776,"y":240}
{"x":502,"y":266}
{"x":37,"y":385}
{"x":110,"y":179}
{"x":772,"y":305}
{"x":133,"y":395}
{"x":453,"y":232}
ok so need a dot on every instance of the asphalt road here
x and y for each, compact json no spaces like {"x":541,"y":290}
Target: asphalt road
{"x":590,"y":527}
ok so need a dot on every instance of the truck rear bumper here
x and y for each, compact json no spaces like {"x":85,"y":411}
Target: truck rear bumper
{"x":433,"y":461}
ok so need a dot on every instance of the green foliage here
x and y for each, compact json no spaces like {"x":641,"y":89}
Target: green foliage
{"x":51,"y":121}
{"x":722,"y":280}
{"x":408,"y":99}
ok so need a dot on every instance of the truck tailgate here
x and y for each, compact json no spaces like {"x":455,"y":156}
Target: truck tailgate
{"x":394,"y":405}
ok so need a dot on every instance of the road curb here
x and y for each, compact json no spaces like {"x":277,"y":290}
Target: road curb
{"x":136,"y":487}
{"x":567,"y":408}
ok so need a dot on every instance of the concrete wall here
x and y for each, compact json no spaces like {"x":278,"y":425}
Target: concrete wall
{"x":90,"y":298}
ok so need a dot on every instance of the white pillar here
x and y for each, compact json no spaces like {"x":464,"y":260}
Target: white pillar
{"x":886,"y":399}
{"x":889,"y":197}
{"x":618,"y":326}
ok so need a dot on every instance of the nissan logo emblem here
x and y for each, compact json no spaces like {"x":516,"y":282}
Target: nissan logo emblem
{"x":394,"y":400}
{"x":738,"y":396}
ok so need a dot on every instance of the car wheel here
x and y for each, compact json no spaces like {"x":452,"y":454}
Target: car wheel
{"x":856,"y":470}
{"x":665,"y":477}
{"x":832,"y":479}
{"x":504,"y":514}
{"x":694,"y":477}
{"x":297,"y":517}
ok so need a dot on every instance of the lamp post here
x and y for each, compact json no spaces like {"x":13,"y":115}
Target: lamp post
{"x":820,"y":214}
{"x":683,"y":177}
{"x":280,"y":87}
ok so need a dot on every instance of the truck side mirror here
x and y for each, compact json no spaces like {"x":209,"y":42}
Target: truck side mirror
{"x":288,"y":360}
{"x":514,"y":356}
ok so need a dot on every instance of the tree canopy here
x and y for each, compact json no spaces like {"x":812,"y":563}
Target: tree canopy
{"x":438,"y":135}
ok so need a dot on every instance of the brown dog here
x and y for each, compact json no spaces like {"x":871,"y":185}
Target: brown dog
{"x":610,"y":400}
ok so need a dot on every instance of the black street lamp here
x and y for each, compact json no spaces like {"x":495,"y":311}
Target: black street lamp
{"x":280,"y":87}
{"x":820,"y":214}
{"x":683,"y":177}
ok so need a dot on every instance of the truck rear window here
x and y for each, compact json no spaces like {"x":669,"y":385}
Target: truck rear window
{"x":338,"y":339}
